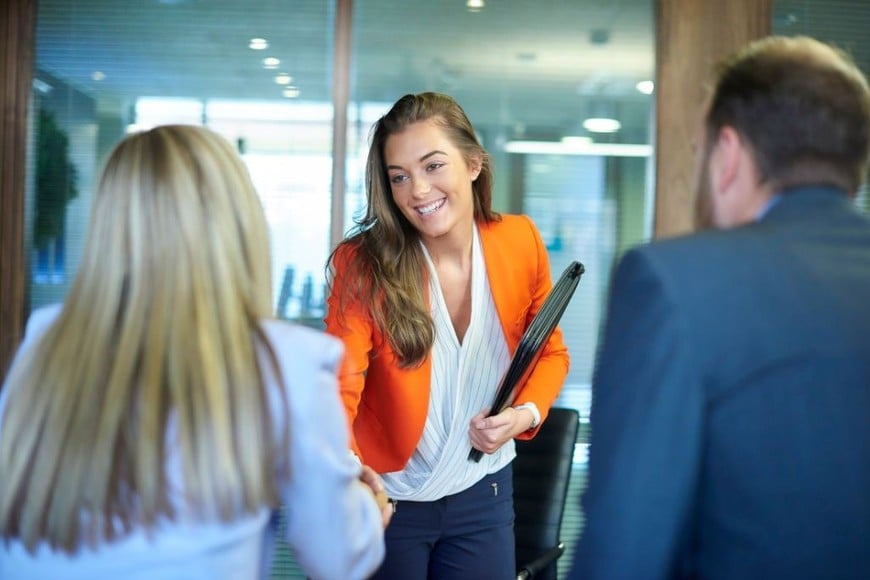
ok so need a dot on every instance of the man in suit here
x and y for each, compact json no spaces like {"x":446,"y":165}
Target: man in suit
{"x":731,"y":399}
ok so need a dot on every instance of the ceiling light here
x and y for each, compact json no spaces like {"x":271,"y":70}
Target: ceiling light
{"x":98,"y":75}
{"x":601,"y":125}
{"x":290,"y":92}
{"x":258,"y":44}
{"x":271,"y":62}
{"x":474,"y":5}
{"x":283,"y":79}
{"x":645,"y":87}
{"x":576,"y":140}
{"x":593,"y":149}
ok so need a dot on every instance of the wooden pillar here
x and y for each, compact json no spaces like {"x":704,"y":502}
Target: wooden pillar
{"x":692,"y":36}
{"x":17,"y":30}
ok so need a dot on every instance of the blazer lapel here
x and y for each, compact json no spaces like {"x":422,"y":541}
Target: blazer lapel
{"x":504,"y":267}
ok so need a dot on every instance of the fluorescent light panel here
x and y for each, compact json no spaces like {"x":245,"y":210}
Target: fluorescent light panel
{"x":571,"y":148}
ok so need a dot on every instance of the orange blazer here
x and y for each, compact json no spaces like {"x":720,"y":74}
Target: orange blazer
{"x":386,"y":405}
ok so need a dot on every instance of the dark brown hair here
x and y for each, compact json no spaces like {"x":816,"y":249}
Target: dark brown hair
{"x":804,"y":108}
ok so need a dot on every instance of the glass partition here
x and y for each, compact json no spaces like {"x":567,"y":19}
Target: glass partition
{"x":533,"y":78}
{"x":560,"y":93}
{"x":261,"y":78}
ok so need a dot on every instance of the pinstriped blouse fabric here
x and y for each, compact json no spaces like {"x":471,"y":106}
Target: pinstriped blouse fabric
{"x":464,"y":380}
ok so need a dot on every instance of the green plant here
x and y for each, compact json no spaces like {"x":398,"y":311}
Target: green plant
{"x":55,"y":179}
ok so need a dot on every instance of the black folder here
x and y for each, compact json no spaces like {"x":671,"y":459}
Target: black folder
{"x":532,"y":343}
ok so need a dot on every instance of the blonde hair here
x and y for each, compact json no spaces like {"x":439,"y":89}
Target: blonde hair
{"x":161,"y":324}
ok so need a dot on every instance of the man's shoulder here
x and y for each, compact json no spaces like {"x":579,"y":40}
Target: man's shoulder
{"x":700,"y":261}
{"x":683,"y":250}
{"x":706,"y":243}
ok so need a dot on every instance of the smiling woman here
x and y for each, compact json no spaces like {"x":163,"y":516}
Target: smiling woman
{"x":431,"y":294}
{"x":431,"y":181}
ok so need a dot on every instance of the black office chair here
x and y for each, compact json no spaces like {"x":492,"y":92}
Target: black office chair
{"x":542,"y":471}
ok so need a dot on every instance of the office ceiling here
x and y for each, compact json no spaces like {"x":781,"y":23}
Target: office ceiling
{"x":525,"y":66}
{"x":531,"y":66}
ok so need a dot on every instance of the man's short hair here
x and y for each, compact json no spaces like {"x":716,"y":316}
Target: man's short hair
{"x":803,"y":107}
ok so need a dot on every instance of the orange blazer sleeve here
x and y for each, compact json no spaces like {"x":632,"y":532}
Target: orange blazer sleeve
{"x":386,"y":405}
{"x":350,"y":323}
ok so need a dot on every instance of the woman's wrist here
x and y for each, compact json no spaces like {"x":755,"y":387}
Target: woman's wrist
{"x":532,"y":411}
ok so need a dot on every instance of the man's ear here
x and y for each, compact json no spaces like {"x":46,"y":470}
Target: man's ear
{"x":725,"y":160}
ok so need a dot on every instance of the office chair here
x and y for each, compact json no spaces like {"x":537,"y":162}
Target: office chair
{"x":542,"y":470}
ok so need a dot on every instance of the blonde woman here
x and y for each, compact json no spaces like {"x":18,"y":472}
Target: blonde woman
{"x":153,"y":422}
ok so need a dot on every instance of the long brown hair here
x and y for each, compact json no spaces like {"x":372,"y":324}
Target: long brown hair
{"x":387,"y":269}
{"x":160,"y":328}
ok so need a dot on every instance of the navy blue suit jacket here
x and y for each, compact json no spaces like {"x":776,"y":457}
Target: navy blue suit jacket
{"x":731,"y":403}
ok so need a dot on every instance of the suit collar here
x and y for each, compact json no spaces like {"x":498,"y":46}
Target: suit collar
{"x":807,"y":200}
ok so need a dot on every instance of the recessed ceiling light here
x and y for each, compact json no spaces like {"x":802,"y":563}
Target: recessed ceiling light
{"x":283,"y":79}
{"x":271,"y":62}
{"x":98,"y":75}
{"x":645,"y":87}
{"x":258,"y":44}
{"x":601,"y":125}
{"x":290,"y":92}
{"x":474,"y":5}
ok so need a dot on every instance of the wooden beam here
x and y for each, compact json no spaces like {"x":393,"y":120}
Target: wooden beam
{"x":692,"y":36}
{"x":17,"y":29}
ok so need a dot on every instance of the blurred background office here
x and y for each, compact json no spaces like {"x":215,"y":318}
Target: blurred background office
{"x":587,"y":107}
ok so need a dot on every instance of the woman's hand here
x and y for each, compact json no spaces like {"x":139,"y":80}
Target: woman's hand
{"x":371,"y":478}
{"x":489,"y":433}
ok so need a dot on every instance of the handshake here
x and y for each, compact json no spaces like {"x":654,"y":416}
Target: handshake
{"x":387,"y":506}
